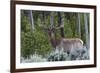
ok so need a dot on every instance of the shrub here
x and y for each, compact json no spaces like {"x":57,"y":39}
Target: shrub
{"x":85,"y":55}
{"x":80,"y":54}
{"x":34,"y":42}
{"x":33,"y":58}
{"x":57,"y":56}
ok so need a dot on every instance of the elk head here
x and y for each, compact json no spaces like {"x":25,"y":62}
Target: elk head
{"x":51,"y":30}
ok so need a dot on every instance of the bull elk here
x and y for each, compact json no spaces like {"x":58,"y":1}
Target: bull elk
{"x":69,"y":45}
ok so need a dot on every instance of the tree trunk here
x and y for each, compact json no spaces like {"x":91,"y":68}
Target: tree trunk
{"x":86,"y":30}
{"x":52,"y":19}
{"x":79,"y":25}
{"x":30,"y":15}
{"x":60,"y":23}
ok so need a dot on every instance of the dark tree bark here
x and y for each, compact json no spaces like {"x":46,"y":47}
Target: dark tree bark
{"x":60,"y":23}
{"x":43,"y":18}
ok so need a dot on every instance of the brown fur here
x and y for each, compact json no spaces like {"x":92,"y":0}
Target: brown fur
{"x":71,"y":43}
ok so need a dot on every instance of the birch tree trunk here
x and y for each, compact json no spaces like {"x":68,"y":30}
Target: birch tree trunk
{"x":31,"y":19}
